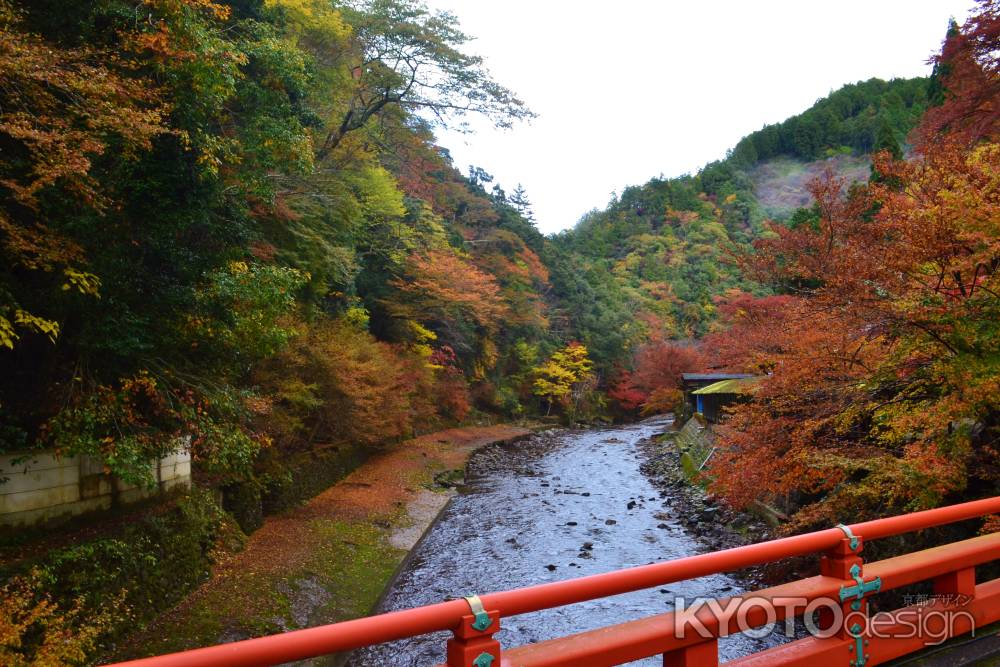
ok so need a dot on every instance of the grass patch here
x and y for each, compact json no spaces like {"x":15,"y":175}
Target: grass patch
{"x":348,"y":567}
{"x":356,"y":563}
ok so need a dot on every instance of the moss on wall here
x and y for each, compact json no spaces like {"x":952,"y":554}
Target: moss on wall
{"x":694,"y":440}
{"x":283,"y":481}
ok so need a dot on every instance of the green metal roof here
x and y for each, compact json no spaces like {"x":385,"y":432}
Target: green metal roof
{"x":736,"y":386}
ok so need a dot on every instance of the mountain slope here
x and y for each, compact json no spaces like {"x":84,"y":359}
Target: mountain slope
{"x":664,"y":244}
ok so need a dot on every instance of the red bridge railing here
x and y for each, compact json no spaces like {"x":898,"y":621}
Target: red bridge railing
{"x":847,"y":636}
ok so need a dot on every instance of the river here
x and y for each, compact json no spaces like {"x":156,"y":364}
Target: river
{"x":543,"y":510}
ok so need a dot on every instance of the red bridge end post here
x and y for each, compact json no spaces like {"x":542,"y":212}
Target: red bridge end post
{"x":702,"y":654}
{"x":474,"y":647}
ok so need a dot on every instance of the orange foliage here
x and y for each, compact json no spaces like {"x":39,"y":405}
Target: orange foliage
{"x":451,"y":393}
{"x":658,"y":366}
{"x":164,"y":42}
{"x":60,"y":108}
{"x":36,"y":631}
{"x":885,"y":390}
{"x":969,"y":65}
{"x":790,"y":437}
{"x":339,"y":384}
{"x":748,"y":342}
{"x":444,"y":287}
{"x":664,"y":400}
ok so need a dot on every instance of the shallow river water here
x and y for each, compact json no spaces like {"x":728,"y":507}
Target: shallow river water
{"x":534,"y":506}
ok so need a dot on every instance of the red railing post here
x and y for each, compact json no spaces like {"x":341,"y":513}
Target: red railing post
{"x":837,"y":563}
{"x":474,"y":647}
{"x":961,"y":582}
{"x":702,"y":654}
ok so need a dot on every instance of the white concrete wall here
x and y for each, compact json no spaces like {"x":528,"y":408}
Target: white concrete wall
{"x":36,"y":487}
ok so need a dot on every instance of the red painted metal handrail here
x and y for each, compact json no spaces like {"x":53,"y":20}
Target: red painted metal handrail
{"x":348,"y":635}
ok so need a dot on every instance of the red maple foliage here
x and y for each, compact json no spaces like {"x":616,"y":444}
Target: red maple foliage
{"x":969,"y":71}
{"x":658,"y":366}
{"x":884,"y":393}
{"x":747,"y":343}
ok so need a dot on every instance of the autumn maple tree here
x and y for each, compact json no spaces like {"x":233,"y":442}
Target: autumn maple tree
{"x":884,"y":395}
{"x":62,"y":109}
{"x":654,"y":384}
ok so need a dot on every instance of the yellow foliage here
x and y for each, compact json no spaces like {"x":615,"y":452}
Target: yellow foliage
{"x":554,"y":379}
{"x":420,"y":339}
{"x":85,"y":283}
{"x":55,"y":636}
{"x":26,"y":320}
{"x":7,"y":335}
{"x":314,"y":19}
{"x":487,"y":359}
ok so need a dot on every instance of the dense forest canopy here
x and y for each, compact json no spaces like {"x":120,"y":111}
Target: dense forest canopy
{"x":882,"y":390}
{"x":663,"y":247}
{"x":226,"y":225}
{"x":230,"y":221}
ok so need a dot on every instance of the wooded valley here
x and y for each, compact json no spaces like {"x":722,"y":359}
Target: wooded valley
{"x":228,"y":223}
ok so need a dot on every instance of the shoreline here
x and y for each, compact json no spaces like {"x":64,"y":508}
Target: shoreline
{"x":711,"y":524}
{"x":330,"y":559}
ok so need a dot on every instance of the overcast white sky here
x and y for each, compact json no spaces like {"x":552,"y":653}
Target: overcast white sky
{"x":627,"y":90}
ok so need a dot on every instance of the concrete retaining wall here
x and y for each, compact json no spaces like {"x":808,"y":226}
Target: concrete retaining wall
{"x":38,"y":487}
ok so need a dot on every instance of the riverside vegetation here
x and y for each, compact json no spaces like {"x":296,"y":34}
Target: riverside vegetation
{"x":230,"y":221}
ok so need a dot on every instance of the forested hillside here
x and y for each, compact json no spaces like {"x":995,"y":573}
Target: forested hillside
{"x":879,"y":346}
{"x":230,"y":221}
{"x":663,"y":246}
{"x":227,"y":226}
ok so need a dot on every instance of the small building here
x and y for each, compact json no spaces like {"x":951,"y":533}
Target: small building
{"x":691,"y":382}
{"x":711,"y":399}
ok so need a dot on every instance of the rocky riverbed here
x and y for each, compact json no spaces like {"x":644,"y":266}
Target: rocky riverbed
{"x":712,"y":524}
{"x":562,"y":504}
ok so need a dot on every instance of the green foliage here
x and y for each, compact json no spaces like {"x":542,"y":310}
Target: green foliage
{"x":140,"y":420}
{"x":239,"y":311}
{"x":850,"y":117}
{"x":114,"y":582}
{"x":408,"y":56}
{"x":657,"y":260}
{"x":239,"y":182}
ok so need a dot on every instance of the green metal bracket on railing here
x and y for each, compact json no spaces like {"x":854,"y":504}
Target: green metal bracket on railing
{"x":850,"y":535}
{"x":860,"y":588}
{"x":483,"y":660}
{"x":482,"y":619}
{"x":860,"y":658}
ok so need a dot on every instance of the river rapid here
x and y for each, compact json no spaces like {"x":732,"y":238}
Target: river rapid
{"x":547,"y":509}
